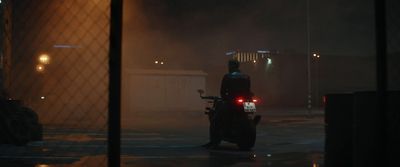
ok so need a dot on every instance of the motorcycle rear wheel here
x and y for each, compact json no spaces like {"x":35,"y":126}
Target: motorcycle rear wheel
{"x":248,"y":138}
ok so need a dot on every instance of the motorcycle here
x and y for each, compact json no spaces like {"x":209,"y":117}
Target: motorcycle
{"x":238,"y":121}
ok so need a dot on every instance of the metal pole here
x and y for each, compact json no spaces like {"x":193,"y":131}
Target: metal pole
{"x":114,"y":110}
{"x":309,"y":98}
{"x":317,"y":98}
{"x":2,"y":35}
{"x":381,"y":72}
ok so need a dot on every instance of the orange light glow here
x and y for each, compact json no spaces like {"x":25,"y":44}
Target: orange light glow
{"x":42,"y":165}
{"x":39,"y":68}
{"x":44,"y":59}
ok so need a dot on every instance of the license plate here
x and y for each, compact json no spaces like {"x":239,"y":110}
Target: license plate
{"x":249,"y":107}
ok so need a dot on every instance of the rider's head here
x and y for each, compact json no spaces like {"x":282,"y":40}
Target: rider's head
{"x":233,"y":66}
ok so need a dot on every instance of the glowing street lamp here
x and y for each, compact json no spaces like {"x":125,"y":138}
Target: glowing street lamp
{"x":158,"y":62}
{"x":44,"y":59}
{"x":39,"y":68}
{"x":316,"y":55}
{"x":269,"y":61}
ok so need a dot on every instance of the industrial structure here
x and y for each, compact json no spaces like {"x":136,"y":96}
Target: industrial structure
{"x":252,"y":57}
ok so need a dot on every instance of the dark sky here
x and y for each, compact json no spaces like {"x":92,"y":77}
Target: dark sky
{"x":212,"y":27}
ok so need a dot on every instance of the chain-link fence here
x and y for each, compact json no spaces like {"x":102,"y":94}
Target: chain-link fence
{"x":54,"y":67}
{"x":54,"y":77}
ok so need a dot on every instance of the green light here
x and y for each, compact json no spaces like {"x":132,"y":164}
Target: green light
{"x":269,"y":61}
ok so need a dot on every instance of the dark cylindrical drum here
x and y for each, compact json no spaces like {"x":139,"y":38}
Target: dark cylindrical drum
{"x":338,"y":130}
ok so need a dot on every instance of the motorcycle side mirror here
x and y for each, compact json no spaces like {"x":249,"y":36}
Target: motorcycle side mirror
{"x":201,"y":91}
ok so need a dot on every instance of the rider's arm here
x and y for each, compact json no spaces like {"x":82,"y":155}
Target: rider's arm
{"x":224,"y":87}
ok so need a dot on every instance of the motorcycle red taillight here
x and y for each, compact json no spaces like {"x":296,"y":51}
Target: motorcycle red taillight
{"x":239,"y":100}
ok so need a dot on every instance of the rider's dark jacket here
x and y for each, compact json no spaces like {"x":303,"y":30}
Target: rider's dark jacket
{"x":235,"y":84}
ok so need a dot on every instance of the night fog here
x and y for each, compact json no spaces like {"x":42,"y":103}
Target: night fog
{"x":195,"y":35}
{"x":324,"y":82}
{"x":211,"y":28}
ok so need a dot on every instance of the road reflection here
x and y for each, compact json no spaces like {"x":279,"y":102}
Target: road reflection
{"x":253,"y":159}
{"x":228,"y":157}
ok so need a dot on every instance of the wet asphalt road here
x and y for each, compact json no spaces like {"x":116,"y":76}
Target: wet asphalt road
{"x":282,"y":141}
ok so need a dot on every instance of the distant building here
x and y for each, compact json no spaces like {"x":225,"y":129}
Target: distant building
{"x":251,"y":57}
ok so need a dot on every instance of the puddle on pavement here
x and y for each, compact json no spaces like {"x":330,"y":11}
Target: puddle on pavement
{"x":87,"y":161}
{"x":294,"y":159}
{"x":287,"y":121}
{"x":273,"y":160}
{"x":237,"y":159}
{"x":215,"y":158}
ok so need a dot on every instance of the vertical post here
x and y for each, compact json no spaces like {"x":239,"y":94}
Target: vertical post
{"x":381,"y":71}
{"x":7,"y":44}
{"x":114,"y":110}
{"x":309,"y":97}
{"x":317,"y":104}
{"x":2,"y":36}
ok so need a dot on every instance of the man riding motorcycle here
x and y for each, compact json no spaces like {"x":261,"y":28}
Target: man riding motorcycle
{"x":233,"y":84}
